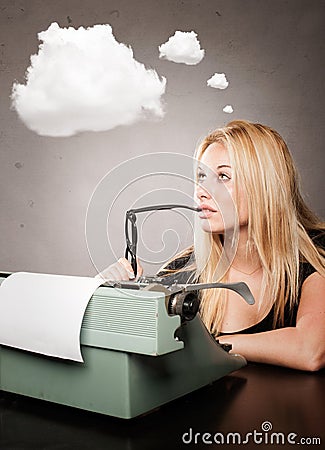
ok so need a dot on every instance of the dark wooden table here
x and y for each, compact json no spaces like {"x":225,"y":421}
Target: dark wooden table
{"x":277,"y":406}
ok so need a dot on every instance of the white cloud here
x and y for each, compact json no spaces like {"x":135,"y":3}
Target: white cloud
{"x":218,"y":81}
{"x":182,"y":47}
{"x":84,"y":80}
{"x":228,"y":109}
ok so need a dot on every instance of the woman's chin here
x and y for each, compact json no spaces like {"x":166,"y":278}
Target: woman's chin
{"x":209,"y":227}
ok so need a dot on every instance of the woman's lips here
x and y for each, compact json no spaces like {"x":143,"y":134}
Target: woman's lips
{"x":206,"y":211}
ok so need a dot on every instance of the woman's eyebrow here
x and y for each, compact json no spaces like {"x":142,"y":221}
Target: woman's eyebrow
{"x":223,"y":165}
{"x":218,"y":167}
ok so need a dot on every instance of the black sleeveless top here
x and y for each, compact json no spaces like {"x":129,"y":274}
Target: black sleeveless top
{"x":266,"y":324}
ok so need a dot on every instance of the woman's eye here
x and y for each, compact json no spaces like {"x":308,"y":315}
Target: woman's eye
{"x":223,"y":176}
{"x":201,"y":176}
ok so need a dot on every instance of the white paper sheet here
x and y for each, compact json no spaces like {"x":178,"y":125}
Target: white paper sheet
{"x":43,"y":313}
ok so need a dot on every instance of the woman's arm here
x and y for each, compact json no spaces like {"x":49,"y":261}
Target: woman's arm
{"x":300,"y":347}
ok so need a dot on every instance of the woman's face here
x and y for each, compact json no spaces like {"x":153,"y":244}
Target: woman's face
{"x":215,"y":192}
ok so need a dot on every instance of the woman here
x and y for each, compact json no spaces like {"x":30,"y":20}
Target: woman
{"x":255,"y":227}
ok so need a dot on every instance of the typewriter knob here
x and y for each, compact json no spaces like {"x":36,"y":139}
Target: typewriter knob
{"x":184,"y":304}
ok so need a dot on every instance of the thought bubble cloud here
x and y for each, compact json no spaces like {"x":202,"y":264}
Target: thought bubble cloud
{"x":182,"y":47}
{"x":84,"y":80}
{"x":218,"y":81}
{"x":228,"y":109}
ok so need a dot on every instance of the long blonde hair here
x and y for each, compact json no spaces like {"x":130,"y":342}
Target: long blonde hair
{"x":279,"y":221}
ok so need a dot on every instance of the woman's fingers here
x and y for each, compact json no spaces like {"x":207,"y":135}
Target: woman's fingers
{"x":115,"y":272}
{"x":127,"y":266}
{"x":120,"y":270}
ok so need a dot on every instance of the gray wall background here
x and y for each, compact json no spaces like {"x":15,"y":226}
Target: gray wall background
{"x":271,"y":51}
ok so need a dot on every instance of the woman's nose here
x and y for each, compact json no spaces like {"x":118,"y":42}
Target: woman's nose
{"x":202,"y":193}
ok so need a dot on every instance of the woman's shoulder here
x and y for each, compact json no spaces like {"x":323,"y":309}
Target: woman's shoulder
{"x":318,"y":238}
{"x":306,"y":269}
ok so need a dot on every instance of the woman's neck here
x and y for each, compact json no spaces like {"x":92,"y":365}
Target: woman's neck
{"x":244,"y":259}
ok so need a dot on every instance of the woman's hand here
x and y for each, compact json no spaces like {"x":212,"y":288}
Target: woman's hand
{"x":120,"y":270}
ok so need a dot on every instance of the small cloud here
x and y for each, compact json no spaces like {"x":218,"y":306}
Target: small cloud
{"x":228,"y":109}
{"x":84,"y":80}
{"x":218,"y":81}
{"x":182,"y":47}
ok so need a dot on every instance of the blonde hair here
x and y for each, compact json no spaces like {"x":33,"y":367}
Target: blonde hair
{"x":279,"y":221}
